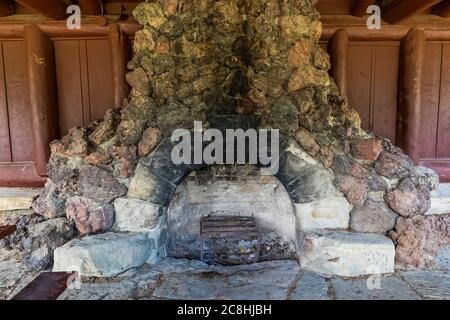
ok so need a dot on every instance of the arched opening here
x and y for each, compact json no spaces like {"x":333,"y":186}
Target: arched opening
{"x":230,"y":195}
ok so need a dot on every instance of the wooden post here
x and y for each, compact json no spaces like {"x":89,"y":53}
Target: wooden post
{"x":338,"y":50}
{"x":409,"y":93}
{"x":119,"y":58}
{"x":43,"y":96}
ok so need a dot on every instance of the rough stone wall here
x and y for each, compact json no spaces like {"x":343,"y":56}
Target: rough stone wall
{"x":195,"y":59}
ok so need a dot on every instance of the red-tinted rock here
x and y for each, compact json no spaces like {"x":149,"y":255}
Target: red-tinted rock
{"x":346,"y":166}
{"x":373,"y":217}
{"x":355,"y":190}
{"x":127,"y":156}
{"x":98,"y":158}
{"x":73,"y":144}
{"x":150,"y":140}
{"x":89,"y":216}
{"x":408,"y":198}
{"x":367,"y":149}
{"x":393,"y":165}
{"x":419,"y":238}
{"x":100,"y":185}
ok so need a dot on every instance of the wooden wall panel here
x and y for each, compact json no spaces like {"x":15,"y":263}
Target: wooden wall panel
{"x":84,"y":76}
{"x":359,"y":80}
{"x":443,"y":142}
{"x":67,"y":56}
{"x":101,"y":91}
{"x":372,"y":85}
{"x":17,"y":95}
{"x":430,"y":99}
{"x":384,"y":90}
{"x":5,"y":146}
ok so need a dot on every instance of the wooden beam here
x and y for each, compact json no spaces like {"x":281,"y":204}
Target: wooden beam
{"x":6,"y":8}
{"x":443,"y":9}
{"x":42,"y":90}
{"x":338,"y":50}
{"x":359,"y":7}
{"x":405,"y":9}
{"x":119,"y":58}
{"x":412,"y":51}
{"x":53,"y":9}
{"x":20,"y":174}
{"x":7,"y":230}
{"x":46,"y":286}
{"x":91,"y":7}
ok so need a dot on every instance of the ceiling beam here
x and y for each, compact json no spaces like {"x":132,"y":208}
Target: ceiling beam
{"x":359,"y":7}
{"x":91,"y":7}
{"x":405,"y":9}
{"x":443,"y":9}
{"x":6,"y":8}
{"x":53,"y":9}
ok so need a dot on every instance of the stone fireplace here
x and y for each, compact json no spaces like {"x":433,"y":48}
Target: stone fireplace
{"x":334,"y":203}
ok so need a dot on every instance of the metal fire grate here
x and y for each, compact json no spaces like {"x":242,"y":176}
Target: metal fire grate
{"x":230,"y":239}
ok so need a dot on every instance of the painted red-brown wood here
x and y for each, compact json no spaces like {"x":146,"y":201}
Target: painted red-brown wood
{"x":84,"y":73}
{"x":101,"y":92}
{"x":359,"y":7}
{"x":441,"y":166}
{"x":5,"y":145}
{"x":443,"y":143}
{"x":6,"y":8}
{"x":120,"y":54}
{"x":20,"y":174}
{"x":68,"y":68}
{"x":431,"y":83}
{"x":334,"y":6}
{"x":53,"y":9}
{"x":46,"y":286}
{"x":405,"y":9}
{"x":385,"y":80}
{"x":443,"y":9}
{"x":7,"y":230}
{"x":42,"y":90}
{"x":359,"y":76}
{"x":91,"y":7}
{"x":17,"y":95}
{"x":338,"y":50}
{"x":410,"y":90}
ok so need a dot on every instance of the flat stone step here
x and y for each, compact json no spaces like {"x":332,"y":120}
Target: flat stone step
{"x":17,"y":198}
{"x":104,"y":255}
{"x":331,"y":213}
{"x":346,"y":254}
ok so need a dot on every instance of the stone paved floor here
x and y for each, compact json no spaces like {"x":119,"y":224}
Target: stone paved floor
{"x":183,"y":279}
